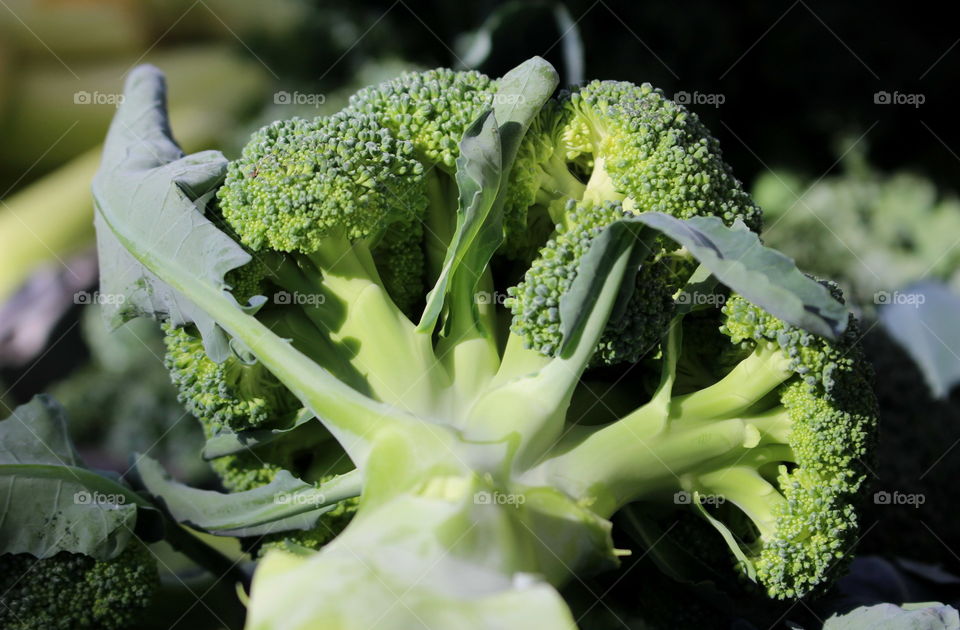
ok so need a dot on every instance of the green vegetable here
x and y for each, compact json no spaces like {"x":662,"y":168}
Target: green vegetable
{"x":73,"y":591}
{"x":299,"y":334}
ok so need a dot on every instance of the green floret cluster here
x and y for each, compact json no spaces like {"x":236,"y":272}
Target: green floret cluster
{"x":76,"y":592}
{"x":280,"y":189}
{"x":621,"y":149}
{"x":416,"y":108}
{"x":232,"y":395}
{"x":645,"y":147}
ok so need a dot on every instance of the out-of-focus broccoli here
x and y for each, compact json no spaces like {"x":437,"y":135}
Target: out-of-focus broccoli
{"x":123,"y":402}
{"x":870,"y":231}
{"x":70,"y":591}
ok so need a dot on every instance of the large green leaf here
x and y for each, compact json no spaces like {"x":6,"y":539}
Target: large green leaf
{"x":487,"y":152}
{"x":478,"y":180}
{"x":143,"y":167}
{"x":285,"y":504}
{"x":51,"y":502}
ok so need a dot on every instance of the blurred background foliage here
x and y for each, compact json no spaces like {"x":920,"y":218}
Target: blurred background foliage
{"x":856,"y":190}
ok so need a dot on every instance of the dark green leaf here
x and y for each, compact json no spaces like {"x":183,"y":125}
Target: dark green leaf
{"x":51,"y":502}
{"x":762,"y":275}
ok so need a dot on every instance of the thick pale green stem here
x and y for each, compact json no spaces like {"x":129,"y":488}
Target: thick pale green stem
{"x":531,"y":410}
{"x":396,"y":360}
{"x":469,"y":349}
{"x":600,"y":187}
{"x":615,"y":464}
{"x":744,"y":487}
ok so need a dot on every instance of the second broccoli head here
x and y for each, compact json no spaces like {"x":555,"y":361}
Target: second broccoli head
{"x":349,"y":219}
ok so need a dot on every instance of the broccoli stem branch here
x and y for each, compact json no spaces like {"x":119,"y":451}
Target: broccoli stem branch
{"x":751,"y":380}
{"x":650,"y":451}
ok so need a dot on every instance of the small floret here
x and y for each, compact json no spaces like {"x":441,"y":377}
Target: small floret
{"x":429,"y":109}
{"x":535,"y":302}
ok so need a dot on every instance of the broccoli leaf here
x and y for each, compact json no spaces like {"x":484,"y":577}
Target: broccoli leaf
{"x":922,"y":318}
{"x":926,"y":616}
{"x":285,"y":504}
{"x":487,"y":151}
{"x":61,"y":505}
{"x":764,"y":276}
{"x":580,"y":301}
{"x":144,"y":168}
{"x":227,"y":442}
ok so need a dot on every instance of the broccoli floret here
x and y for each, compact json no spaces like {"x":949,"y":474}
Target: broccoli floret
{"x":231,"y":395}
{"x":535,"y":302}
{"x":431,"y":109}
{"x":621,"y":149}
{"x":781,"y":438}
{"x":71,"y":591}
